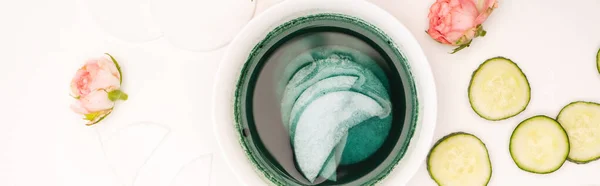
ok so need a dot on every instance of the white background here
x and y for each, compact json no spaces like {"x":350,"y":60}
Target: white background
{"x":163,"y":135}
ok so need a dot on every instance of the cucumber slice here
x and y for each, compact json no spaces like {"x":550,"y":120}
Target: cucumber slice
{"x":459,"y":159}
{"x":598,"y":60}
{"x":539,"y":145}
{"x":581,"y":120}
{"x":499,"y":89}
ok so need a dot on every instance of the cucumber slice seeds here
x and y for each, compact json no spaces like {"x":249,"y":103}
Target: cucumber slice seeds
{"x":581,"y":120}
{"x":459,"y":159}
{"x":539,"y":145}
{"x":498,"y":89}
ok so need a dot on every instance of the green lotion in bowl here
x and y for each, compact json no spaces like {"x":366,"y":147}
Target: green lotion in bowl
{"x":322,"y":101}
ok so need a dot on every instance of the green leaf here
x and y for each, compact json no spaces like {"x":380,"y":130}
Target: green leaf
{"x":460,"y":40}
{"x":118,"y":67}
{"x":91,"y":116}
{"x":461,"y":47}
{"x":96,"y":117}
{"x":117,"y":95}
{"x":480,"y":32}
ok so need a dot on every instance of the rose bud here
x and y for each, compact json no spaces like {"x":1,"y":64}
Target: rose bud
{"x":457,"y":22}
{"x":96,"y":88}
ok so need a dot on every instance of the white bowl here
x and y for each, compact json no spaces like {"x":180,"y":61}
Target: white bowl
{"x":239,"y":49}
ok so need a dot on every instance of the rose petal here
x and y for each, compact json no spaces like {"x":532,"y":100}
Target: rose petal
{"x":483,"y":14}
{"x":92,"y":69}
{"x":96,"y":101}
{"x":104,"y":80}
{"x":77,"y":83}
{"x":107,"y":64}
{"x":437,"y":36}
{"x":463,"y":17}
{"x":78,"y":108}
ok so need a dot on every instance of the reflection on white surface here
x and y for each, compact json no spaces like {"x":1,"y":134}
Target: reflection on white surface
{"x":130,"y":148}
{"x":197,"y":172}
{"x":127,"y":20}
{"x":264,"y":5}
{"x":201,"y":25}
{"x":222,"y":174}
{"x":186,"y":24}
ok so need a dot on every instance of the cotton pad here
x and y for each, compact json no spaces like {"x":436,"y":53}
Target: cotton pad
{"x":336,"y":108}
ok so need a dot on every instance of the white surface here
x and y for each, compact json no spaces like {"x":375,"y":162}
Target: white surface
{"x":179,"y":21}
{"x":197,"y":172}
{"x":127,"y":20}
{"x":128,"y":149}
{"x":199,"y":25}
{"x":42,"y":43}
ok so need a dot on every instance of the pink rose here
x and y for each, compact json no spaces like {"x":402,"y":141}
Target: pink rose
{"x":96,"y":88}
{"x":457,"y":22}
{"x":100,"y":73}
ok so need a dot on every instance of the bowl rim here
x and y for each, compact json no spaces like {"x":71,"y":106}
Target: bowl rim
{"x":231,"y":67}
